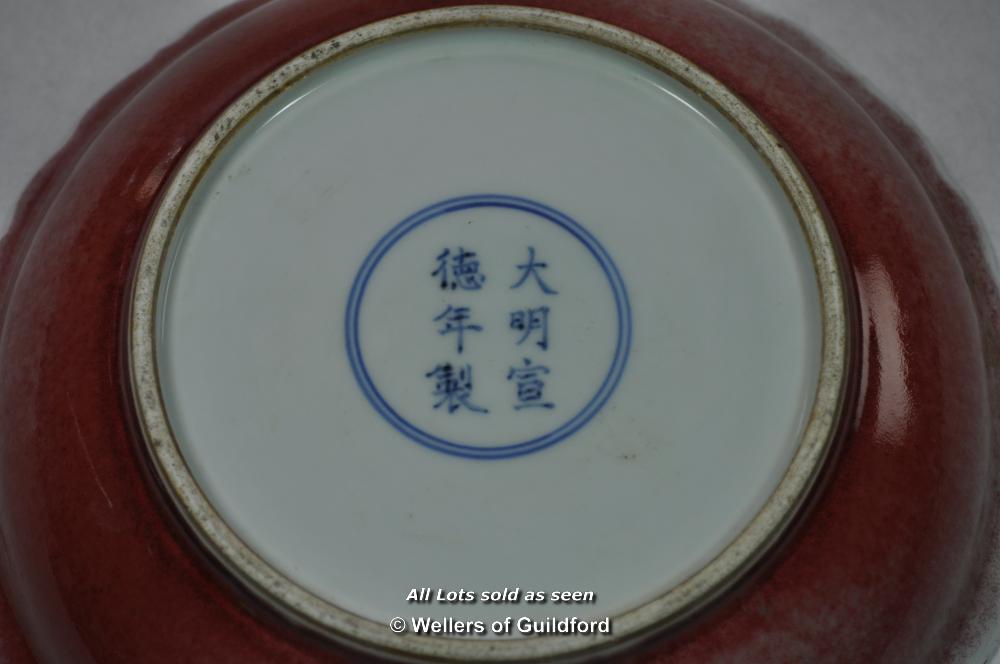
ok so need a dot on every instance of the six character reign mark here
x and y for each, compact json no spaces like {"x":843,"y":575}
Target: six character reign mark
{"x":459,"y":270}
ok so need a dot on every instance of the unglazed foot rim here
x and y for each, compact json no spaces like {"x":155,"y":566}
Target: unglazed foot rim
{"x":316,"y":614}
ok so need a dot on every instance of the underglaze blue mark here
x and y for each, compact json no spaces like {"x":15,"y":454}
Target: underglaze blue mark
{"x":528,"y":321}
{"x":532,"y":268}
{"x":458,"y":270}
{"x":453,"y":386}
{"x":454,"y":321}
{"x":530,"y":385}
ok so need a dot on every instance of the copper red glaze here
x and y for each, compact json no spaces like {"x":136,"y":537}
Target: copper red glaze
{"x":888,"y":565}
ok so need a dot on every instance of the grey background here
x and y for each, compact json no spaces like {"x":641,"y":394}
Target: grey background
{"x":935,"y":61}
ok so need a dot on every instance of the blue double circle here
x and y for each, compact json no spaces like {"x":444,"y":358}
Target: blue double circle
{"x":487,"y":451}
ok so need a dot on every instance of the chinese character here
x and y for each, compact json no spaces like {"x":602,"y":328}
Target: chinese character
{"x":529,"y":385}
{"x":463,"y":273}
{"x":531,"y":268}
{"x":454,"y":390}
{"x":454,"y":321}
{"x":527,"y":321}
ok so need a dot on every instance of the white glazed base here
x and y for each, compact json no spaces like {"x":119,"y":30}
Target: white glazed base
{"x":683,"y":347}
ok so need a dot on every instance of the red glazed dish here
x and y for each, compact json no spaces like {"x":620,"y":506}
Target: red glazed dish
{"x":885,"y":555}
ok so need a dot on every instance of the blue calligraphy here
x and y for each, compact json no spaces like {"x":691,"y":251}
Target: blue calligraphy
{"x":532,"y":269}
{"x":459,"y":269}
{"x":453,"y":388}
{"x":527,"y":321}
{"x":530,"y":385}
{"x":453,"y":321}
